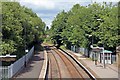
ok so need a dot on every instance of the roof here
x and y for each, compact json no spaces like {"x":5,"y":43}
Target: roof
{"x":107,"y":51}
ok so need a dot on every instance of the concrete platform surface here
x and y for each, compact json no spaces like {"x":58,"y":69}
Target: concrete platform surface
{"x":110,"y":71}
{"x":33,"y":69}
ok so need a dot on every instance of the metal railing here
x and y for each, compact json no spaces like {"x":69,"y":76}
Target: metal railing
{"x":7,"y":72}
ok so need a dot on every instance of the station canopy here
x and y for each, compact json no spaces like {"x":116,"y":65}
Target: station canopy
{"x":106,"y":51}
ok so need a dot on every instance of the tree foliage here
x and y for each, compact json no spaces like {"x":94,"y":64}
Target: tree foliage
{"x":20,"y":27}
{"x":75,"y":26}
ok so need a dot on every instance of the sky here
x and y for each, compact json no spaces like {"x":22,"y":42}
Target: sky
{"x":48,"y":9}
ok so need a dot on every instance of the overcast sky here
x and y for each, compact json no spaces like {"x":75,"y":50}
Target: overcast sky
{"x":48,"y":9}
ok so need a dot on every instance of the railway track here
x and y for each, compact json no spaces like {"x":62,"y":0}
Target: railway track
{"x":60,"y":64}
{"x":70,"y":66}
{"x":54,"y":69}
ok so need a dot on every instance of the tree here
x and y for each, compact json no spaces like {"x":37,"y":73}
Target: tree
{"x":58,"y":25}
{"x":75,"y":26}
{"x":19,"y":28}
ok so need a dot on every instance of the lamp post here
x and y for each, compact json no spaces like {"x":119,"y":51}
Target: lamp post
{"x":26,"y":50}
{"x":92,"y":38}
{"x":103,"y":57}
{"x":94,"y":49}
{"x":90,"y":42}
{"x":36,"y":35}
{"x":95,"y":61}
{"x":103,"y":45}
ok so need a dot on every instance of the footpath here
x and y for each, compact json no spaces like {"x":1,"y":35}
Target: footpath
{"x":33,"y":68}
{"x":110,"y":72}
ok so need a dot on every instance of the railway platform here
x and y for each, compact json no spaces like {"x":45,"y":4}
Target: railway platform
{"x":109,"y":72}
{"x":33,"y":69}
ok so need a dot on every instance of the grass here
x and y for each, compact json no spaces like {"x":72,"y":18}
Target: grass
{"x":63,"y":47}
{"x":49,"y":42}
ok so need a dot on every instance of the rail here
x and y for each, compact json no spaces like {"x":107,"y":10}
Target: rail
{"x":80,"y":64}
